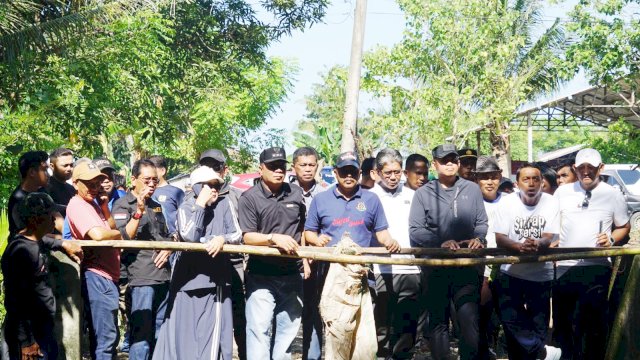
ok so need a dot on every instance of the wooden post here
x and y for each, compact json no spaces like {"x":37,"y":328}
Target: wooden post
{"x":350,"y":125}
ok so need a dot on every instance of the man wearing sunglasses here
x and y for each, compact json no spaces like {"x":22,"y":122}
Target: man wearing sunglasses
{"x":90,"y":218}
{"x":272,"y":213}
{"x":139,"y":217}
{"x":344,"y":208}
{"x":449,"y":213}
{"x":592,"y":214}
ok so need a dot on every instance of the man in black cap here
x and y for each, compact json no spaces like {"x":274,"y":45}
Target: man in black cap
{"x":216,"y":160}
{"x":449,"y":213}
{"x":468,"y":158}
{"x":272,"y":213}
{"x":108,"y":189}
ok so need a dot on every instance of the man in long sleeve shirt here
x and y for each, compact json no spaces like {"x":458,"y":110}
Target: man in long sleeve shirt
{"x":449,"y":213}
{"x":199,"y":325}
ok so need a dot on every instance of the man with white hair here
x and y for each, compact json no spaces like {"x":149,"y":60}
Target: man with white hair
{"x":592,"y":214}
{"x":200,"y":325}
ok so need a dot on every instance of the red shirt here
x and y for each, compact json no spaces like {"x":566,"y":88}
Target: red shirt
{"x":84,"y":216}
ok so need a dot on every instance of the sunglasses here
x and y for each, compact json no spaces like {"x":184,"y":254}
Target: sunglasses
{"x":585,"y":201}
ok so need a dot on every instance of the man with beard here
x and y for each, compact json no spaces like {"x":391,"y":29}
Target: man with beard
{"x":58,"y":188}
{"x":449,"y":213}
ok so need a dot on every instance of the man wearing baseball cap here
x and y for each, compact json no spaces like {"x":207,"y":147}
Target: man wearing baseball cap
{"x":216,"y":160}
{"x":344,"y":208}
{"x":449,"y":213}
{"x":90,"y":218}
{"x":108,"y":189}
{"x":592,"y":214}
{"x":272,"y":213}
{"x":201,"y":282}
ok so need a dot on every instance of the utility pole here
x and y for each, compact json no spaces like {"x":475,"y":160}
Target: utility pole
{"x":350,"y":124}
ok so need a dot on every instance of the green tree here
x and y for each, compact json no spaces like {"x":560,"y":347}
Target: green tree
{"x":462,"y":66}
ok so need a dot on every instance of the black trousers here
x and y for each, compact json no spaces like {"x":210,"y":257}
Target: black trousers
{"x":460,"y":285}
{"x":396,"y":310}
{"x":580,"y":312}
{"x":238,"y":305}
{"x":524,"y":312}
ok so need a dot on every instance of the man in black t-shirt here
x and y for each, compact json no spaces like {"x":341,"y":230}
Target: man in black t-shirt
{"x":29,"y":300}
{"x":272,"y":213}
{"x":58,"y":188}
{"x":139,"y":217}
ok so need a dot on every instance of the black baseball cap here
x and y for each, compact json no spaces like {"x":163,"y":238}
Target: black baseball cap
{"x":103,"y":164}
{"x":214,"y":154}
{"x":273,"y":154}
{"x":347,"y":158}
{"x":443,"y":150}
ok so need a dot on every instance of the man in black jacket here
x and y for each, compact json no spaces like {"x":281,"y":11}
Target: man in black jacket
{"x":449,"y":213}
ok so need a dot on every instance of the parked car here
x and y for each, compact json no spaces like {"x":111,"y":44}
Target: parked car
{"x":626,"y":178}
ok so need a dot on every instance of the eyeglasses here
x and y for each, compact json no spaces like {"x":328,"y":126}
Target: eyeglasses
{"x":585,"y":202}
{"x":448,"y":159}
{"x":149,"y":180}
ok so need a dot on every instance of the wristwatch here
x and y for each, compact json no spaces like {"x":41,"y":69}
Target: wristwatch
{"x":612,"y":240}
{"x":270,"y":239}
{"x":137,"y":215}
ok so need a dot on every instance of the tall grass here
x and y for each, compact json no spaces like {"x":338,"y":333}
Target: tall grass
{"x":4,"y":234}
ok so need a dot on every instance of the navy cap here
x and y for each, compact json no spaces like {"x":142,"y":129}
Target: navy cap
{"x":443,"y":150}
{"x":214,"y":154}
{"x":467,"y":153}
{"x":347,"y":158}
{"x":273,"y":154}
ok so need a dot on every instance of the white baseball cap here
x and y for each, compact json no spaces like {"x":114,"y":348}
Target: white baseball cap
{"x":204,"y":174}
{"x":590,"y":156}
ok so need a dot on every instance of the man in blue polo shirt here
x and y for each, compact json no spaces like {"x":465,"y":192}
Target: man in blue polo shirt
{"x":345,"y":207}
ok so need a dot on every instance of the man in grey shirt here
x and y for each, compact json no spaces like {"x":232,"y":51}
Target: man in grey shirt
{"x":449,"y":213}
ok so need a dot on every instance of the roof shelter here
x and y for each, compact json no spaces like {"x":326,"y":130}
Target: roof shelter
{"x":596,"y":105}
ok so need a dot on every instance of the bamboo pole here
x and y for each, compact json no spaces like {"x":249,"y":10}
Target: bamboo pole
{"x":623,"y":317}
{"x":324,"y":255}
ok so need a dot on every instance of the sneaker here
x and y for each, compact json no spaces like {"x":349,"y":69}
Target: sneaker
{"x":553,"y":353}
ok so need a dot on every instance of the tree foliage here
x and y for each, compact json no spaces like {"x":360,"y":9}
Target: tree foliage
{"x":174,"y":80}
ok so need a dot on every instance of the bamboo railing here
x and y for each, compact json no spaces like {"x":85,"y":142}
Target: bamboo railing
{"x":378,"y":255}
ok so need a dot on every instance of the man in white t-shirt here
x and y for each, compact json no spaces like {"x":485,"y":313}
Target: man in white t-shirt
{"x":526,"y":222}
{"x":397,"y":286}
{"x":592,"y":214}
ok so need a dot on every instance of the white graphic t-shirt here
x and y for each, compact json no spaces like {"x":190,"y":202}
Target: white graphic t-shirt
{"x":519,"y":222}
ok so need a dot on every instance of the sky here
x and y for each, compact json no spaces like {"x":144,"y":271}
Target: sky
{"x":329,"y":43}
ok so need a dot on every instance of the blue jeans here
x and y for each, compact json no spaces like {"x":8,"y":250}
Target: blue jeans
{"x":101,"y":294}
{"x":269,"y":296}
{"x":148,"y":305}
